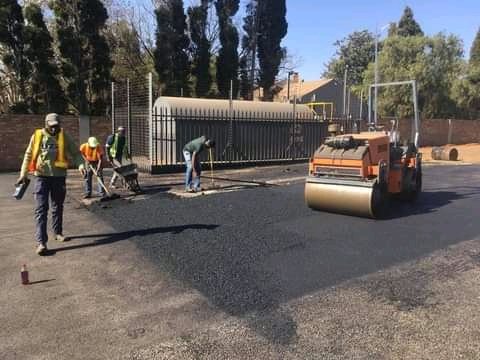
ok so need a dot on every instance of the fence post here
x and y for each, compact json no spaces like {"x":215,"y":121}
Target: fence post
{"x":129,"y":119}
{"x":230,"y":116}
{"x":113,"y":107}
{"x":294,"y":133}
{"x":449,"y":139}
{"x":150,"y":117}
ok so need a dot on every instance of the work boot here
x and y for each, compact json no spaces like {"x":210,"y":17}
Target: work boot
{"x":41,"y":249}
{"x":59,"y":237}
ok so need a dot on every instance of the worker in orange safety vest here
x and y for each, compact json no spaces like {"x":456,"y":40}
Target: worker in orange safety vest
{"x":93,"y":154}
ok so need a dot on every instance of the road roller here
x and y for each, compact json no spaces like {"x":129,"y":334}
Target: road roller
{"x":357,"y":173}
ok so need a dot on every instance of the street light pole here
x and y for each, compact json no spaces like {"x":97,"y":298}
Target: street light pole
{"x":375,"y":89}
{"x":345,"y":91}
{"x":288,"y":86}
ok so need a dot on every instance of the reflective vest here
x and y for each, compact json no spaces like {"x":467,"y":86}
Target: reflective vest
{"x":60,"y":162}
{"x":90,"y":153}
{"x":113,"y":148}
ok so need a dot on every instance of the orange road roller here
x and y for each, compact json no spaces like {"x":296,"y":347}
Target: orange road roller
{"x":356,"y":174}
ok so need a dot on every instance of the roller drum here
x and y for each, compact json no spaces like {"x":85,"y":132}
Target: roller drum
{"x":366,"y":201}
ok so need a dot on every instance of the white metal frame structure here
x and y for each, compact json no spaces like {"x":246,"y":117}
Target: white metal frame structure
{"x":413,"y":83}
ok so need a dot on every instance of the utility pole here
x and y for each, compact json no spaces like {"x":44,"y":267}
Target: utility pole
{"x":254,"y":49}
{"x":288,"y":85}
{"x":345,"y":91}
{"x":375,"y":102}
{"x":375,"y":89}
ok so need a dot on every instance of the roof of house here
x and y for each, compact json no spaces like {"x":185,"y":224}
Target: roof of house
{"x":302,"y":88}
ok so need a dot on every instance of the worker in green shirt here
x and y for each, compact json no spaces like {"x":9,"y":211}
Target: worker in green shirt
{"x":50,"y":152}
{"x":191,"y":153}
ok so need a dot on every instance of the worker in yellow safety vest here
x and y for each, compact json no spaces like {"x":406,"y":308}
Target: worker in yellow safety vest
{"x":117,"y":151}
{"x":93,"y":154}
{"x":50,"y":152}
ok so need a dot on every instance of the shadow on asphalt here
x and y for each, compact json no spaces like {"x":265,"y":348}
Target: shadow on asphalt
{"x":40,"y":281}
{"x":428,"y":202}
{"x":109,"y":238}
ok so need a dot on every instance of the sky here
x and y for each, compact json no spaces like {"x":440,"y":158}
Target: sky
{"x":314,"y":25}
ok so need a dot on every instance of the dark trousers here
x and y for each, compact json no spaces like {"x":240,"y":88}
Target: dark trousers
{"x":88,"y":179}
{"x":52,"y":187}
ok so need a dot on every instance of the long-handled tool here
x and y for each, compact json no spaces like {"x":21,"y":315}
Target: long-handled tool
{"x":110,"y":196}
{"x":214,"y":186}
{"x":211,"y":166}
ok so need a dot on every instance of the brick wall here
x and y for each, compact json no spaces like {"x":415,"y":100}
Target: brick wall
{"x":434,"y":132}
{"x":16,"y":130}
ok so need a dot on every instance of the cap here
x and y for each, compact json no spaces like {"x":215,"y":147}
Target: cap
{"x":92,"y":142}
{"x":52,"y":119}
{"x":121,"y":128}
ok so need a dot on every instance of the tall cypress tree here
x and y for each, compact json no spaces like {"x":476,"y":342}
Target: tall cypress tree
{"x":12,"y":39}
{"x":475,"y":51}
{"x":86,"y":65}
{"x":171,"y":58}
{"x":249,"y":49}
{"x":273,"y":27}
{"x":227,"y":61}
{"x":474,"y":65}
{"x":201,"y":48}
{"x":407,"y":26}
{"x":46,"y":92}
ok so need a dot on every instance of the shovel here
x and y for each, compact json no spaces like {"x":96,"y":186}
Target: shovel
{"x":110,"y":196}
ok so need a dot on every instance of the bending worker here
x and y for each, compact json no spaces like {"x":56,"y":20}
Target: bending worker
{"x":92,"y":153}
{"x":47,"y":157}
{"x":117,"y":150}
{"x":191,"y":153}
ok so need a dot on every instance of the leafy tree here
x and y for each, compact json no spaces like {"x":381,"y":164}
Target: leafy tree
{"x":172,"y":43}
{"x":13,"y":52}
{"x":474,"y":64}
{"x":46,"y":91}
{"x":273,"y":27}
{"x":467,"y":87}
{"x":407,"y":26}
{"x":126,"y":51}
{"x":356,"y":51}
{"x":86,"y":65}
{"x":227,"y":60}
{"x":198,"y":19}
{"x":249,"y":50}
{"x":434,"y":62}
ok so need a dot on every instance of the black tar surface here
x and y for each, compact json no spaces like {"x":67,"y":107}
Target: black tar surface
{"x":250,"y":251}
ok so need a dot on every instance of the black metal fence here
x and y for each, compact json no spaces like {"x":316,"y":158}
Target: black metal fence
{"x":157,"y":135}
{"x":130,"y":109}
{"x":241,"y":137}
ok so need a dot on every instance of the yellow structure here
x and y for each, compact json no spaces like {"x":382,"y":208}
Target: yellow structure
{"x":324,"y":106}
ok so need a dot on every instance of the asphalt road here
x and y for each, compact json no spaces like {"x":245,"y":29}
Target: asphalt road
{"x":256,"y":274}
{"x":250,"y":253}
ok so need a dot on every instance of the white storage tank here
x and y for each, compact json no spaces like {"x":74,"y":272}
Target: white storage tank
{"x":171,"y":105}
{"x":167,"y":108}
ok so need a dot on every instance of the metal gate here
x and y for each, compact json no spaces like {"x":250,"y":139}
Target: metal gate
{"x":249,"y":138}
{"x":131,"y":101}
{"x":156,"y":137}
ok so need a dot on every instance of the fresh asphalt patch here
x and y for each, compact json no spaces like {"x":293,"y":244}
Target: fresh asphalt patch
{"x":252,"y":253}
